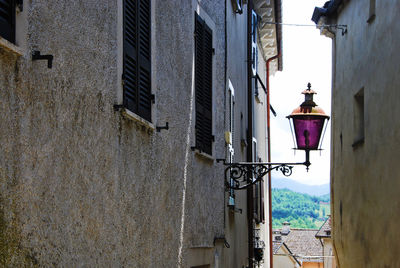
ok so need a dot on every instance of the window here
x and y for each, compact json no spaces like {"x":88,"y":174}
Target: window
{"x":7,"y":20}
{"x":254,"y":51}
{"x":137,"y":96}
{"x":230,"y":137}
{"x":359,"y":128}
{"x":371,"y":15}
{"x":237,"y":6}
{"x":203,"y":86}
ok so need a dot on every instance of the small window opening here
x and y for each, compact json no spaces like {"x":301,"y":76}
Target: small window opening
{"x":372,"y":7}
{"x":359,"y":120}
{"x":237,"y":6}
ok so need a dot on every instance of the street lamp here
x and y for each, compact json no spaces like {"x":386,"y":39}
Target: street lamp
{"x":308,"y":122}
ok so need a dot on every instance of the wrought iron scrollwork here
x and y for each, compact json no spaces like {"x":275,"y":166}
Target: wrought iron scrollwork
{"x":286,"y":170}
{"x":240,"y":176}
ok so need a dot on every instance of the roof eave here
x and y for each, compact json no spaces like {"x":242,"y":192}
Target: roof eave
{"x":329,"y":9}
{"x":278,"y":19}
{"x":270,"y":31}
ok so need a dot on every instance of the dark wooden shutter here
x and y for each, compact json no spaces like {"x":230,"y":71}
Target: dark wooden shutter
{"x":262,"y":207}
{"x":203,"y":85}
{"x":259,"y":214}
{"x":137,"y":57}
{"x":7,"y":20}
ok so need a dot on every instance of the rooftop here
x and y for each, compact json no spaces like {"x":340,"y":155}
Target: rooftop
{"x":303,"y":243}
{"x":276,"y":245}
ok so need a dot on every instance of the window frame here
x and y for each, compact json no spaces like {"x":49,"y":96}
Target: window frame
{"x":254,"y":46}
{"x":230,"y":143}
{"x":371,"y":11}
{"x":237,"y":6}
{"x":136,"y":113}
{"x":18,"y":44}
{"x":7,"y":27}
{"x":211,"y":25}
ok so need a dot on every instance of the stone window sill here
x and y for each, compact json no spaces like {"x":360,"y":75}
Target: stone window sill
{"x":146,"y":125}
{"x":11,"y":47}
{"x":203,"y":155}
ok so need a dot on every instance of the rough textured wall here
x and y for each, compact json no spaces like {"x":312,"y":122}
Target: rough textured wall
{"x":205,"y":188}
{"x":204,"y":192}
{"x":82,"y":185}
{"x":365,"y":178}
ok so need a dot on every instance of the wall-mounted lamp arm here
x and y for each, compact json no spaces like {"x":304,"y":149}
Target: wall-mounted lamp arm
{"x":245,"y":174}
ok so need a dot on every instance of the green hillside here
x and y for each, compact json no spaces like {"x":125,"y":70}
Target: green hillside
{"x":301,"y":210}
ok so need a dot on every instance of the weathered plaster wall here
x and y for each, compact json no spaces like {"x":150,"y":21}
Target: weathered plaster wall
{"x":282,"y":259}
{"x":365,"y":179}
{"x":329,"y":260}
{"x":204,"y":194}
{"x":82,"y":185}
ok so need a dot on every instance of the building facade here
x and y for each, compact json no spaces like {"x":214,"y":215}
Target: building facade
{"x":114,"y":114}
{"x":365,"y":131}
{"x":325,"y":237}
{"x":283,"y":256}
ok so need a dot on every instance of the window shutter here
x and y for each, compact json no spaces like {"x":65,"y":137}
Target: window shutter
{"x":203,"y":85}
{"x":262,"y":208}
{"x":7,"y":20}
{"x":137,"y":57}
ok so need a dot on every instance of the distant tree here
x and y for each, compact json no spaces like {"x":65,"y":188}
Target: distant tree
{"x":301,"y":210}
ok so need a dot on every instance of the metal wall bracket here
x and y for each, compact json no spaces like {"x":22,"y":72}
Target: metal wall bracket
{"x":36,"y":56}
{"x":245,"y":174}
{"x":159,"y":128}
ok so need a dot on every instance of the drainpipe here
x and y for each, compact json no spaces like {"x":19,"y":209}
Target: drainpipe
{"x":269,"y":160}
{"x":250,"y":96}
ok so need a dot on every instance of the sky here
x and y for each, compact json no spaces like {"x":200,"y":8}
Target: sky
{"x":307,"y":58}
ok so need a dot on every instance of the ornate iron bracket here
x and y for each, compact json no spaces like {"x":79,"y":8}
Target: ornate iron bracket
{"x":239,"y":176}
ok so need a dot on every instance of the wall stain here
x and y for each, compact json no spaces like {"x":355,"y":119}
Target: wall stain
{"x":12,"y":253}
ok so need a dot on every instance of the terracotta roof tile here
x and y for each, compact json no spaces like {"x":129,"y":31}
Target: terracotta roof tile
{"x":303,"y":244}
